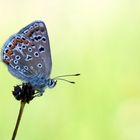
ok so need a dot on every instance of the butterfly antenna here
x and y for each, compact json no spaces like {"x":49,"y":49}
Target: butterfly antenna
{"x":66,"y":80}
{"x":67,"y":75}
{"x":59,"y":78}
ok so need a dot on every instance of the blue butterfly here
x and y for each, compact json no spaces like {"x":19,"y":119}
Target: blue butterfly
{"x":28,"y":56}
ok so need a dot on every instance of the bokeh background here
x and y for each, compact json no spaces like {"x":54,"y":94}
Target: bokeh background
{"x":100,"y":40}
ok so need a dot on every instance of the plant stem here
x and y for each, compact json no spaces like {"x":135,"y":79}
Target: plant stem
{"x":22,"y":104}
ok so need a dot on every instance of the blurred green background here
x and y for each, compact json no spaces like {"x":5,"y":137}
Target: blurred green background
{"x":100,"y":40}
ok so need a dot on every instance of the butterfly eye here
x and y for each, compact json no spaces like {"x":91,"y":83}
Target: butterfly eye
{"x":51,"y":83}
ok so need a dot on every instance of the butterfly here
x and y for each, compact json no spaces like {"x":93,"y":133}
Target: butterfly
{"x":28,"y":57}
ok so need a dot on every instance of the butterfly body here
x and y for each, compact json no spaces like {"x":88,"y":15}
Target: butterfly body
{"x":28,"y":57}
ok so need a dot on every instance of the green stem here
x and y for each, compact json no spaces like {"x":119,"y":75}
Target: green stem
{"x":18,"y":119}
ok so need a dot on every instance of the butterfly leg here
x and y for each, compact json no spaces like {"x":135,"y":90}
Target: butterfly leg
{"x":38,"y":94}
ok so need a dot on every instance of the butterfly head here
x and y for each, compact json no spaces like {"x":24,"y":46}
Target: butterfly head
{"x":51,"y":83}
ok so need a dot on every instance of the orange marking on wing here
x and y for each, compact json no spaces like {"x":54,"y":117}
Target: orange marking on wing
{"x":9,"y":52}
{"x":14,"y":42}
{"x":19,"y":40}
{"x":31,"y":43}
{"x":25,"y":41}
{"x":29,"y":34}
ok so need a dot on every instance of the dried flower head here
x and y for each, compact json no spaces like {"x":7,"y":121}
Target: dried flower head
{"x":24,"y":92}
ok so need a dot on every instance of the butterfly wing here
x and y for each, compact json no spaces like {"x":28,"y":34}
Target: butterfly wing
{"x":37,"y":33}
{"x":27,"y":53}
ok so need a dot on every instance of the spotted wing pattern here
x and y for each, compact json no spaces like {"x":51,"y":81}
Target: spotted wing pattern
{"x":27,"y":53}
